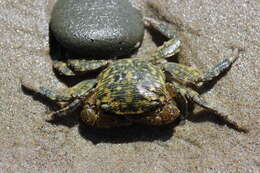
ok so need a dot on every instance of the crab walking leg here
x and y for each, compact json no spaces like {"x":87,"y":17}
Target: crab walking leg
{"x":85,"y":66}
{"x":79,"y":66}
{"x":81,"y":89}
{"x":169,"y":48}
{"x":190,"y":76}
{"x":186,"y":109}
{"x":196,"y":98}
{"x":162,"y":27}
{"x":219,"y":68}
{"x":45,"y":92}
{"x":75,"y":93}
{"x":66,"y":95}
{"x":67,"y":109}
{"x":181,"y":73}
{"x":62,"y":68}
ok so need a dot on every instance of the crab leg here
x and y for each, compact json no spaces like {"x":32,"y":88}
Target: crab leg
{"x":66,"y":95}
{"x":181,"y":73}
{"x":190,"y":76}
{"x":79,"y":66}
{"x":67,"y":109}
{"x":219,"y":68}
{"x":45,"y":92}
{"x":62,"y":68}
{"x":196,"y":98}
{"x":169,"y":48}
{"x":85,"y":66}
{"x":69,"y":99}
{"x":162,"y":27}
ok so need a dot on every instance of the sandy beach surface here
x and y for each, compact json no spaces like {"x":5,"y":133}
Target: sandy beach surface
{"x":29,"y":143}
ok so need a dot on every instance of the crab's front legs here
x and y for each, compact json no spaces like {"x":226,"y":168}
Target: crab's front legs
{"x":74,"y":67}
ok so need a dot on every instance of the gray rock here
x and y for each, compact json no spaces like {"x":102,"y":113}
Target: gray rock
{"x":97,"y":27}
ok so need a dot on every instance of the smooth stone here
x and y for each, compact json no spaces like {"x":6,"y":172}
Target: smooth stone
{"x":97,"y":27}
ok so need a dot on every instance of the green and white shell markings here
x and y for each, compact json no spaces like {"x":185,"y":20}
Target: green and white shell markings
{"x":131,"y":86}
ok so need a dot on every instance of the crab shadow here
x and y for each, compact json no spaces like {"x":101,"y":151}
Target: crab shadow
{"x":137,"y":132}
{"x":126,"y":134}
{"x":208,"y":116}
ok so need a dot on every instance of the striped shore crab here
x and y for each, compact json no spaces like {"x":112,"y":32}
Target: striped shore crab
{"x":135,"y":90}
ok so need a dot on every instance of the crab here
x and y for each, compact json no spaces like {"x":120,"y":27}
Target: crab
{"x":141,"y":90}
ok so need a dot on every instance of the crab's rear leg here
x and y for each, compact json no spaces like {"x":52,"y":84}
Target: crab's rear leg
{"x":196,"y":98}
{"x":74,"y":67}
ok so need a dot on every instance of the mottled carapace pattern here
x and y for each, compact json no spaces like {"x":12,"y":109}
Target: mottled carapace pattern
{"x":131,"y":86}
